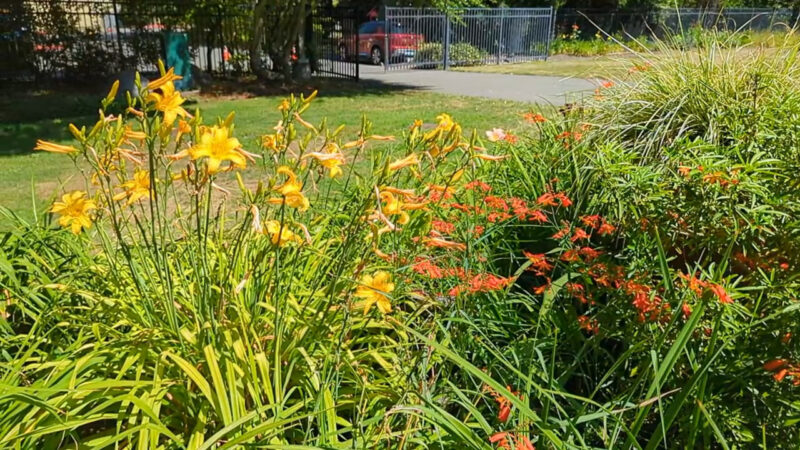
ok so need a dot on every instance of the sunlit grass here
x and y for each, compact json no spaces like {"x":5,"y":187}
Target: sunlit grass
{"x":27,"y":173}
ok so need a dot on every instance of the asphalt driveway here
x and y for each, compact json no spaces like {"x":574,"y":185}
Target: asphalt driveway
{"x":524,"y":88}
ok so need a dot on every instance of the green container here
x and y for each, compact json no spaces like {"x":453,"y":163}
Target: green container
{"x":178,"y":57}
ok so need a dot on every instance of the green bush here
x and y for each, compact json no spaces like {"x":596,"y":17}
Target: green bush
{"x":461,"y":53}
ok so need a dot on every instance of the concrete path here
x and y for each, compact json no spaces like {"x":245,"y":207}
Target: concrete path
{"x":524,"y":88}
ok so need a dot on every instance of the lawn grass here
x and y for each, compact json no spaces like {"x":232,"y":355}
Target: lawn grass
{"x":27,"y":117}
{"x":607,"y":66}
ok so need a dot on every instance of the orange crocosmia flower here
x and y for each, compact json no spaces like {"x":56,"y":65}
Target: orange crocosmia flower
{"x":534,"y":118}
{"x":694,"y":284}
{"x":501,"y":439}
{"x":579,"y":234}
{"x":504,"y":413}
{"x":607,"y":84}
{"x":523,"y":443}
{"x":589,"y":253}
{"x":538,"y":261}
{"x":589,"y":325}
{"x":687,"y":310}
{"x":605,"y":228}
{"x":684,"y":170}
{"x":426,"y":267}
{"x":539,"y":290}
{"x":477,"y":184}
{"x":547,"y":199}
{"x":591,"y":221}
{"x":775,"y":364}
{"x":562,"y":232}
{"x":721,"y":293}
{"x":511,"y":139}
{"x":495,"y":202}
{"x":537,"y":216}
{"x":443,"y":227}
{"x":443,"y":243}
{"x":486,"y":282}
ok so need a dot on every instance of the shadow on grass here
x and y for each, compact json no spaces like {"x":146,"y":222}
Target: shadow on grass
{"x":28,"y":113}
{"x":248,"y":88}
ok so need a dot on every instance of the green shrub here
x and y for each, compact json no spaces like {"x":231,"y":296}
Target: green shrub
{"x":461,"y":53}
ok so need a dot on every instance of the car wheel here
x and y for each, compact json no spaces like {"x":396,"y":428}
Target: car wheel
{"x":343,"y":52}
{"x":376,"y":56}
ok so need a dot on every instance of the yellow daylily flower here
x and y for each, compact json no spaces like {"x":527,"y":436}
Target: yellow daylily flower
{"x":216,"y":145}
{"x":393,"y":206}
{"x":488,"y":157}
{"x":74,"y":209}
{"x":52,"y":147}
{"x":134,"y":135}
{"x":291,"y":190}
{"x":272,"y":142}
{"x":183,"y":128}
{"x":280,"y":235}
{"x":445,"y":122}
{"x":169,"y":102}
{"x":374,"y":290}
{"x":331,"y":159}
{"x":410,"y":160}
{"x":168,"y":77}
{"x":136,"y":188}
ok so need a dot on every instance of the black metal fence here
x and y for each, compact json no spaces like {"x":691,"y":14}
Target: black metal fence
{"x":431,"y":38}
{"x":671,"y":21}
{"x":90,"y":38}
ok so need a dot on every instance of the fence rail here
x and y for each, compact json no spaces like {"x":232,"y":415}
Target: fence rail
{"x":671,"y":21}
{"x":431,"y":38}
{"x":80,"y":38}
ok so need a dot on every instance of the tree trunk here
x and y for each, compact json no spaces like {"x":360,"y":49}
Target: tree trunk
{"x":257,"y":38}
{"x":278,"y":23}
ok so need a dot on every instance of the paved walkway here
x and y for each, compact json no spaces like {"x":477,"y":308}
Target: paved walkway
{"x":525,"y":88}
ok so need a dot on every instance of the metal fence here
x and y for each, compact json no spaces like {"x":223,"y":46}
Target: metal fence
{"x":671,"y":21}
{"x":72,"y":39}
{"x":431,"y":38}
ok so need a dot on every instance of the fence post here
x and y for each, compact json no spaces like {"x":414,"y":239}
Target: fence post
{"x":220,"y":18}
{"x":354,"y":29}
{"x":446,"y":45}
{"x":387,"y":29}
{"x":551,"y":32}
{"x":119,"y":33}
{"x":502,"y":36}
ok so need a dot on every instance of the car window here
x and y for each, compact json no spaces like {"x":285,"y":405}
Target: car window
{"x":368,"y":28}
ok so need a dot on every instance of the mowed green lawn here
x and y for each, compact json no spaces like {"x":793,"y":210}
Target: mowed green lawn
{"x":607,"y":66}
{"x":36,"y":177}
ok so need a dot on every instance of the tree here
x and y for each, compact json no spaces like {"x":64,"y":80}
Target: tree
{"x":276,"y":28}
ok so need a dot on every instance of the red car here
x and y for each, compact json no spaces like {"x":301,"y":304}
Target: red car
{"x":372,"y":40}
